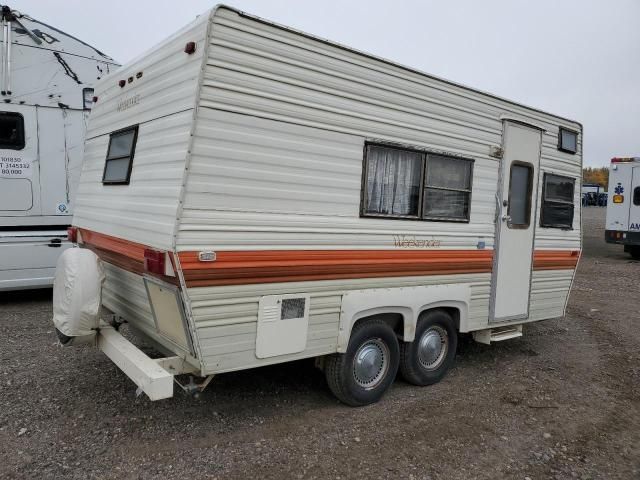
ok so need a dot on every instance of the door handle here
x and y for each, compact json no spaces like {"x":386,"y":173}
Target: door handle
{"x":506,"y":218}
{"x":55,"y":243}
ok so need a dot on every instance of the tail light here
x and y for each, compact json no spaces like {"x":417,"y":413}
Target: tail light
{"x":154,"y":261}
{"x":72,"y":234}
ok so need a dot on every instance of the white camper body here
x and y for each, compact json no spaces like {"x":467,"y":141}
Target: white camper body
{"x":259,"y":195}
{"x":623,"y":209}
{"x":46,"y":80}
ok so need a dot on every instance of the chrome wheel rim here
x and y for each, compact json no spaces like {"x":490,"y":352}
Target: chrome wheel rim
{"x":371,"y":363}
{"x":433,"y":347}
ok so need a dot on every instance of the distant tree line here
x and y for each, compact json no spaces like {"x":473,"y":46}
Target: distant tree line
{"x":599,"y":175}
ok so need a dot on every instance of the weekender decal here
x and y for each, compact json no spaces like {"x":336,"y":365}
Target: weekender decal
{"x":15,"y":167}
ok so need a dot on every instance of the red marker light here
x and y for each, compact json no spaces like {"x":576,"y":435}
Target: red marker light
{"x":122,"y":83}
{"x":190,"y":48}
{"x":95,"y":99}
{"x":154,"y":261}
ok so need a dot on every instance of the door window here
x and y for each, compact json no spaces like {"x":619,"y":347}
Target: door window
{"x":11,"y":130}
{"x":520,"y":187}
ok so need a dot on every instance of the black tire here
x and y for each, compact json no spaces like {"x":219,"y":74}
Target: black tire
{"x":427,"y":369}
{"x":635,"y":252}
{"x":373,"y":336}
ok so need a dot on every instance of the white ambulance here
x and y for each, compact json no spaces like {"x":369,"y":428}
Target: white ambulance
{"x":623,"y":210}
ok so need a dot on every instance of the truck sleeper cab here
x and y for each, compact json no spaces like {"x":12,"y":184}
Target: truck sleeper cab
{"x":46,"y":87}
{"x":256,"y":195}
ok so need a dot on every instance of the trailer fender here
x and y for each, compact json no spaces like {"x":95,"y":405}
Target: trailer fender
{"x":409,"y":302}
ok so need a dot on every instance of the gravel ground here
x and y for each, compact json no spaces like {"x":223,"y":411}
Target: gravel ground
{"x":562,"y":402}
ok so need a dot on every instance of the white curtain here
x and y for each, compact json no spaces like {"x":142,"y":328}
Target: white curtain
{"x":393,"y":181}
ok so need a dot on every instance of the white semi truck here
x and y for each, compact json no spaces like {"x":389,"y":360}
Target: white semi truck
{"x":46,"y":92}
{"x":623,"y":209}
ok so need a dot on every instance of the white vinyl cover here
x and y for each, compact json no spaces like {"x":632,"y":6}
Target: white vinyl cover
{"x":77,"y":293}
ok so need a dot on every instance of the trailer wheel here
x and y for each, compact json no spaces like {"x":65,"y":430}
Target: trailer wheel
{"x":362,"y":374}
{"x":635,"y":252}
{"x":427,"y":359}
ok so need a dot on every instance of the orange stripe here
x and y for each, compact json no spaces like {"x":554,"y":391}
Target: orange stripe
{"x":239,"y":267}
{"x":269,"y":266}
{"x":555,"y":259}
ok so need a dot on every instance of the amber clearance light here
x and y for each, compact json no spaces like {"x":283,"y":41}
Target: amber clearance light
{"x":618,"y":199}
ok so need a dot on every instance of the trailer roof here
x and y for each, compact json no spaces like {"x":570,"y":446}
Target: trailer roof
{"x":387,"y":61}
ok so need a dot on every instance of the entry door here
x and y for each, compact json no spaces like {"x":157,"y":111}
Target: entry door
{"x":515,"y":223}
{"x":634,"y":205}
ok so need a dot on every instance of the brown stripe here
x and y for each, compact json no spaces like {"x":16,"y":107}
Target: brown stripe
{"x":240,"y":267}
{"x":555,"y":259}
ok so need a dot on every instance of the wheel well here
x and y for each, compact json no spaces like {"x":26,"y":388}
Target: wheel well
{"x":453,"y":311}
{"x":394,"y":320}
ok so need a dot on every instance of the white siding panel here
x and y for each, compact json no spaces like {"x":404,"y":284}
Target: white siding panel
{"x":226,"y":317}
{"x":256,"y":183}
{"x":260,"y":184}
{"x":549,"y":290}
{"x":164,"y":82}
{"x":145,"y":210}
{"x":124,"y":294}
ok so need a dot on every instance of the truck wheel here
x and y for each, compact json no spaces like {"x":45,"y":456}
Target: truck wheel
{"x":428,"y":358}
{"x":367,"y":369}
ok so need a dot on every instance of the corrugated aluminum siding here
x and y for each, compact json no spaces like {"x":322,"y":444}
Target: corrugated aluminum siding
{"x":161,"y":101}
{"x":549,"y":291}
{"x":226,"y":317}
{"x":145,"y":210}
{"x":124,"y":293}
{"x":256,"y":183}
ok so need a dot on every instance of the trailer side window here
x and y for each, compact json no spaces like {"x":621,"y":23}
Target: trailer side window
{"x":117,"y":166}
{"x":636,"y":196}
{"x":393,"y":182}
{"x":414,"y":184}
{"x":567,"y":141}
{"x":447,"y":192}
{"x":11,"y":130}
{"x":557,"y":201}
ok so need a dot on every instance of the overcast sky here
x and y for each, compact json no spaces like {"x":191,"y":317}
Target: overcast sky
{"x":575,"y":58}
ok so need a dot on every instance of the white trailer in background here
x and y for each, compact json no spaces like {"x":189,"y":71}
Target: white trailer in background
{"x":256,"y":195}
{"x":46,"y":90}
{"x":623,"y":209}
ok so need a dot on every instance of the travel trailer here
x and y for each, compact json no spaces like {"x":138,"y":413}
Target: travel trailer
{"x":46,"y":88}
{"x":623,"y":209}
{"x":251,"y":195}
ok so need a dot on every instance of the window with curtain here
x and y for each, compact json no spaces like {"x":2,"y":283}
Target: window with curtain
{"x":393,"y":181}
{"x":413,"y":184}
{"x":557,"y":201}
